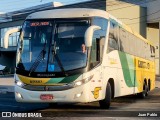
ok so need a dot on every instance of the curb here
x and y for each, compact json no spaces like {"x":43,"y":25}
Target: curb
{"x":5,"y":76}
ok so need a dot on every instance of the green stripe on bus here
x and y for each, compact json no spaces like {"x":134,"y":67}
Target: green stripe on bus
{"x":63,"y":79}
{"x":55,"y":80}
{"x":70,"y":79}
{"x":128,"y":68}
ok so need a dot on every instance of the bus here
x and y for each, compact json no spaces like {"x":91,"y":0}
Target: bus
{"x":80,"y":55}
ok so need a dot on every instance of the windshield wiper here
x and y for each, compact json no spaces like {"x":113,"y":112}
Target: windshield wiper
{"x":58,"y":60}
{"x":38,"y":60}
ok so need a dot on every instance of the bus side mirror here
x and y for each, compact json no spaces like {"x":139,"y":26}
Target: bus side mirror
{"x":7,"y":34}
{"x":89,"y":35}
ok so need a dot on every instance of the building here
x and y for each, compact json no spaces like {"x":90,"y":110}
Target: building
{"x":138,"y":14}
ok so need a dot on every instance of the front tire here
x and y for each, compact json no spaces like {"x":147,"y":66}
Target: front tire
{"x":105,"y":103}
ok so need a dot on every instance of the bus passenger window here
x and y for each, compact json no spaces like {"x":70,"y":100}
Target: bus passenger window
{"x":113,"y":38}
{"x":112,"y":45}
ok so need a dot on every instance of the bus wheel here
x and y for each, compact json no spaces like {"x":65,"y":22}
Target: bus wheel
{"x":105,"y":103}
{"x":144,"y":93}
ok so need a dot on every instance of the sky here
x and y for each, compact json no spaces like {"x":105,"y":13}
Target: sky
{"x":13,"y":5}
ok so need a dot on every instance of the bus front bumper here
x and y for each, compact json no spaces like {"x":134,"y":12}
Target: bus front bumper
{"x":77,"y":94}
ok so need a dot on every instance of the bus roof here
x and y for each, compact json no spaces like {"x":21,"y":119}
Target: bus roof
{"x":68,"y":13}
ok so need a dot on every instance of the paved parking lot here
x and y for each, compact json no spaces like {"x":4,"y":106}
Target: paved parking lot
{"x":6,"y":84}
{"x":7,"y":80}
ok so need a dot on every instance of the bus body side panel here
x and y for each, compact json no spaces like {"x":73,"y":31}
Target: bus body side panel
{"x":120,"y":68}
{"x":145,"y":71}
{"x":127,"y":73}
{"x":96,"y":84}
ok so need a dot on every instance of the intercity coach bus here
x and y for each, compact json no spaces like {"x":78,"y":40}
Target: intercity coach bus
{"x":80,"y":55}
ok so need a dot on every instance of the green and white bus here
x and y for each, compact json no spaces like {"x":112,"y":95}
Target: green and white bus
{"x":80,"y":55}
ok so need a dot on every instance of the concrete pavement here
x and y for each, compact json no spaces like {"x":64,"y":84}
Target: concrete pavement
{"x":7,"y":80}
{"x":6,"y":84}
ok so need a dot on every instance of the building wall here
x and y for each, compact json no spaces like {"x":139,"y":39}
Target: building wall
{"x":153,"y":35}
{"x":11,"y":23}
{"x":95,"y":4}
{"x":124,"y":12}
{"x":153,"y":17}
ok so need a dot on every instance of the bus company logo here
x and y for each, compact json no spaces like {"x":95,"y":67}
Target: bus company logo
{"x":96,"y":92}
{"x":45,"y":75}
{"x":142,"y":64}
{"x":112,"y":60}
{"x":6,"y":114}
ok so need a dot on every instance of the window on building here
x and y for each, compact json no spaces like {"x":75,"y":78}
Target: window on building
{"x":12,"y":39}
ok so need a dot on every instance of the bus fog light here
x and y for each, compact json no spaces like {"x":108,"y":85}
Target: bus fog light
{"x":78,"y":95}
{"x":19,"y":95}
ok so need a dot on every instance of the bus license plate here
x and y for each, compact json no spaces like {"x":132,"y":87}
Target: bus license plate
{"x":46,"y":97}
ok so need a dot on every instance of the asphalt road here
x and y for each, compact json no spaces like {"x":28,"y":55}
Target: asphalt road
{"x":128,"y":106}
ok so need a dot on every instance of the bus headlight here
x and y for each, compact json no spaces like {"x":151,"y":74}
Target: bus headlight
{"x":19,"y":83}
{"x":81,"y":82}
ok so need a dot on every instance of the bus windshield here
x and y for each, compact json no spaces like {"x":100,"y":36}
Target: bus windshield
{"x":52,"y":45}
